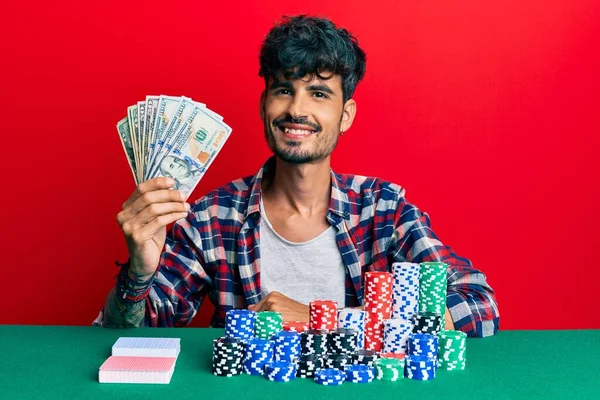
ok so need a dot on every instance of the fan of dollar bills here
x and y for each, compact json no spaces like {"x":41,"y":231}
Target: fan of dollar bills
{"x":171,"y":136}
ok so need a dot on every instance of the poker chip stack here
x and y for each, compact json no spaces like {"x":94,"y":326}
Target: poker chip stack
{"x":421,"y":368}
{"x":378,"y":306}
{"x":286,"y":345}
{"x":351,"y":318}
{"x":405,"y":290}
{"x":339,"y":361}
{"x":295,"y":326}
{"x":427,"y":322}
{"x":258,"y":353}
{"x":267,"y":324}
{"x":330,"y":376}
{"x":395,"y":335}
{"x":322,"y":315}
{"x":359,"y":373}
{"x":403,"y":313}
{"x":313,"y":341}
{"x":423,"y":344}
{"x":365,"y":357}
{"x":228,"y":355}
{"x":432,"y":288}
{"x":343,"y":341}
{"x":280,"y":371}
{"x":239,"y":323}
{"x":389,"y":369}
{"x":308,"y":364}
{"x":452,"y":353}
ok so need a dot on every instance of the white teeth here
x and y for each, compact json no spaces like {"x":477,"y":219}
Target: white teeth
{"x":297,"y":131}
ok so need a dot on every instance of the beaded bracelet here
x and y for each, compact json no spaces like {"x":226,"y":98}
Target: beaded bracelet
{"x":125,"y":289}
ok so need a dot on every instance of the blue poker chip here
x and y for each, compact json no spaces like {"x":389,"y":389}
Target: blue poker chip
{"x":287,"y":346}
{"x":239,"y":323}
{"x":286,"y":335}
{"x":280,"y":371}
{"x":360,"y":373}
{"x":253,"y":369}
{"x":258,"y":353}
{"x":422,"y":344}
{"x":420,"y":368}
{"x":330,"y":376}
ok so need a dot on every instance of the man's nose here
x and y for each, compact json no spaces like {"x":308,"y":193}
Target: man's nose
{"x":297,"y":108}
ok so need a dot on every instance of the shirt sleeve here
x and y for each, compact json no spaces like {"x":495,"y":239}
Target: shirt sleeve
{"x":181,"y":281}
{"x":470,"y":300}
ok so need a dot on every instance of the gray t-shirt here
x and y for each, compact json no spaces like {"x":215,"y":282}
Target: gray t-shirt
{"x":306,"y":271}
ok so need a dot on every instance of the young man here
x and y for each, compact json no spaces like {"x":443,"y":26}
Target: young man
{"x":295,"y":231}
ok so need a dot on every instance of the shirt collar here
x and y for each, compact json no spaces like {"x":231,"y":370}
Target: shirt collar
{"x":338,"y":204}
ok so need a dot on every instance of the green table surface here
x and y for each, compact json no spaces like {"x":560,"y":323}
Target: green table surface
{"x":61,"y":362}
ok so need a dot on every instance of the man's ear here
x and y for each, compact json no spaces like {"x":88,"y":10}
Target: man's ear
{"x":263,"y":98}
{"x":348,"y":115}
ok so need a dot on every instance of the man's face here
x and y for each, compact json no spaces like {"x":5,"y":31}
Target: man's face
{"x":302,"y":117}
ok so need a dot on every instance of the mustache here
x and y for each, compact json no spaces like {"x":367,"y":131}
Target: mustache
{"x":302,"y":121}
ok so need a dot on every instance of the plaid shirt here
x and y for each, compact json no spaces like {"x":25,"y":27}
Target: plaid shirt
{"x":216,"y":251}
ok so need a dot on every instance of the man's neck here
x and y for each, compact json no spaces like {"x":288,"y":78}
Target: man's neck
{"x":303,"y":189}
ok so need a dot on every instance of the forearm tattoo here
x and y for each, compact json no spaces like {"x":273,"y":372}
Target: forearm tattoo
{"x":121,"y":314}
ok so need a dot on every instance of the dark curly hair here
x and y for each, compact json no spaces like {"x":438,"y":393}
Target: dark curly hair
{"x":302,"y":45}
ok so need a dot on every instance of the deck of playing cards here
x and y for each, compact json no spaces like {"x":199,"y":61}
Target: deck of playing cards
{"x":140,"y":360}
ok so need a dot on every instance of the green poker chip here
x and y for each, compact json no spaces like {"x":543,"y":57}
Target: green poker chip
{"x":389,"y":369}
{"x":452,"y":350}
{"x":433,"y":287}
{"x":267,"y":324}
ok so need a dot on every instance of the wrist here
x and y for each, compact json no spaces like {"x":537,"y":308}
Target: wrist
{"x":131,"y":286}
{"x":137,"y":273}
{"x":138,"y":280}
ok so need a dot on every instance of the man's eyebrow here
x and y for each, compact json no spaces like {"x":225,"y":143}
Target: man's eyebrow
{"x":320,"y":88}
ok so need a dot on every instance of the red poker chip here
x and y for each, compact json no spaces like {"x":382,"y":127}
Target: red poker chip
{"x":322,"y":315}
{"x":378,"y":288}
{"x":295,"y":326}
{"x":399,"y":356}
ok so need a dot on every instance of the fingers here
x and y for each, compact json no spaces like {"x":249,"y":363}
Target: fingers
{"x":268,"y":303}
{"x":260,"y":305}
{"x":142,"y":234}
{"x":150,"y":199}
{"x":289,"y":309}
{"x":150,"y":185}
{"x":155,"y":210}
{"x":156,"y":196}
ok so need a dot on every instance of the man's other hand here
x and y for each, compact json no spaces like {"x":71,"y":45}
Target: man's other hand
{"x":449,"y":322}
{"x":289,"y":309}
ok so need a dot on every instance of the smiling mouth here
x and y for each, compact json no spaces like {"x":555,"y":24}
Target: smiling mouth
{"x":296,"y":130}
{"x":299,"y":132}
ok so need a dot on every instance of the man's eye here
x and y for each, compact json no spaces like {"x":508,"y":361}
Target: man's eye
{"x":320,"y":95}
{"x":283,"y":91}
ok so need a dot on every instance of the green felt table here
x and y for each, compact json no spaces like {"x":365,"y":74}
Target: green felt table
{"x":61,"y":362}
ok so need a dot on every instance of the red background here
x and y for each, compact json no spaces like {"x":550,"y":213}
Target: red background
{"x":486,"y":112}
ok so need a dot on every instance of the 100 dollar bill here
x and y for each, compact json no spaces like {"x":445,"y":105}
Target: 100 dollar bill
{"x":164,"y":113}
{"x":198,"y":141}
{"x":151,"y":111}
{"x":132,"y":115}
{"x":125,"y":135}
